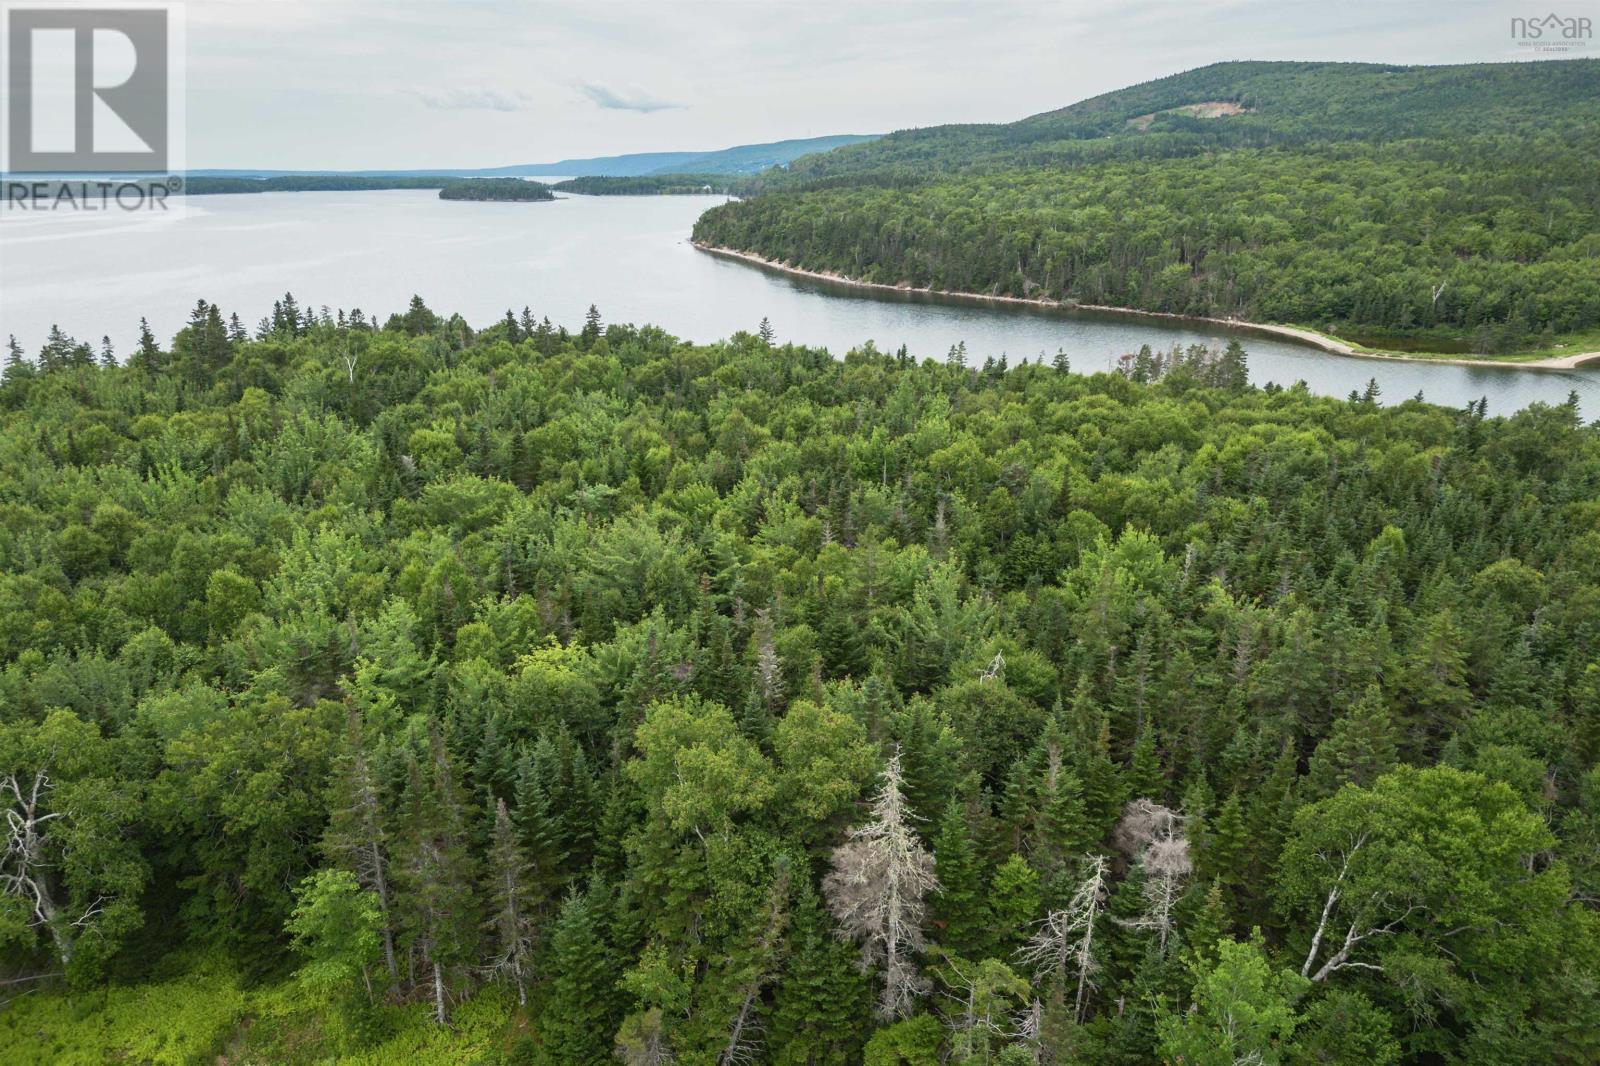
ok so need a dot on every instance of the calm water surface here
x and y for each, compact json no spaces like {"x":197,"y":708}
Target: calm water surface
{"x":97,"y":275}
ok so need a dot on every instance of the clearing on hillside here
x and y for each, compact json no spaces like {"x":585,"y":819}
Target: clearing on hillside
{"x":1208,"y":109}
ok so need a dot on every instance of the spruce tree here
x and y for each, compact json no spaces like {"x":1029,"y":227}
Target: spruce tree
{"x":57,"y":353}
{"x":355,"y":837}
{"x":957,"y":909}
{"x":1090,"y":733}
{"x":1013,"y":902}
{"x":579,"y":1013}
{"x":16,"y":367}
{"x":539,"y":829}
{"x":819,"y":1009}
{"x":513,"y":904}
{"x":1062,"y":829}
{"x":591,"y":327}
{"x":149,"y":354}
{"x":436,"y":876}
{"x":1359,"y":749}
{"x":1226,"y":853}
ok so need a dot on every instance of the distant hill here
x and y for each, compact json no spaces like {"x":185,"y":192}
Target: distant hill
{"x":1249,"y":105}
{"x":741,"y":159}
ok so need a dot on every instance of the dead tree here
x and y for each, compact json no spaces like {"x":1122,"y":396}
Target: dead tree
{"x":1064,"y":945}
{"x":1154,"y":836}
{"x":24,"y":866}
{"x":769,"y":667}
{"x":876,"y":891}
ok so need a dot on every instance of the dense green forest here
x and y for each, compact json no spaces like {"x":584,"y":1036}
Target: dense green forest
{"x":656,"y":184}
{"x":421,"y":693}
{"x":1445,"y":201}
{"x":496,"y":189}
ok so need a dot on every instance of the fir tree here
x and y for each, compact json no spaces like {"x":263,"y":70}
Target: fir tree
{"x":591,"y":327}
{"x":513,"y":903}
{"x":16,"y":367}
{"x":1224,"y":858}
{"x":819,"y":1010}
{"x":957,"y":909}
{"x":1013,"y":902}
{"x":355,"y":837}
{"x":1211,"y":923}
{"x":1360,"y":747}
{"x":579,"y":1012}
{"x":1144,"y":776}
{"x":435,"y":871}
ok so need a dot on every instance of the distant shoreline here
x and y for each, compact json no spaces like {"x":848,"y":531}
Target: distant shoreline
{"x":1321,"y":341}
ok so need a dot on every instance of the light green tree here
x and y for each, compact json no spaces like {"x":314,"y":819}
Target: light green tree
{"x":336,"y":927}
{"x":1242,"y":1011}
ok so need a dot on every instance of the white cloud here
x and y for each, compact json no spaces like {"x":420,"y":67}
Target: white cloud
{"x":474,"y":99}
{"x":626,"y":100}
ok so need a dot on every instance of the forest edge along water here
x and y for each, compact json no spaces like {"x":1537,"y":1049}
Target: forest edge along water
{"x":632,"y":257}
{"x":1318,"y":340}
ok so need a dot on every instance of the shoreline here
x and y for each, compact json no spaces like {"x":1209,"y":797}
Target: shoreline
{"x":1321,"y":341}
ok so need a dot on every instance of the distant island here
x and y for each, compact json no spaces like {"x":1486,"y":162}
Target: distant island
{"x":500,"y":190}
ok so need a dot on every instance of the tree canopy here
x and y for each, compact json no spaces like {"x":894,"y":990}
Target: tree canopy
{"x":571,"y":696}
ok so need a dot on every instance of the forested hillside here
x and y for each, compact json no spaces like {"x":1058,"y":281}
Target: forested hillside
{"x":416,"y":693}
{"x":1459,"y":203}
{"x":656,"y":185}
{"x":1280,"y":105}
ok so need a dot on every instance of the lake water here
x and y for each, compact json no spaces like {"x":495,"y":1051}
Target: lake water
{"x":630,"y":256}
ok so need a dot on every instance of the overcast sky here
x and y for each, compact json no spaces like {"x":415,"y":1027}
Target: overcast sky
{"x":351,"y":84}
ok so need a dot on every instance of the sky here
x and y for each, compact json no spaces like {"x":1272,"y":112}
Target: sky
{"x":358,"y":84}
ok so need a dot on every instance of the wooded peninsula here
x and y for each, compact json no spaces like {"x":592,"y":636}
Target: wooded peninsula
{"x":1431,"y":208}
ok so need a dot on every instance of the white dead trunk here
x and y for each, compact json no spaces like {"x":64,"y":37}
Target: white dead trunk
{"x":876,"y":891}
{"x":1064,"y":943}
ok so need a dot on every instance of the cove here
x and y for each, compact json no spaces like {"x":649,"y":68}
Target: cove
{"x":98,"y":275}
